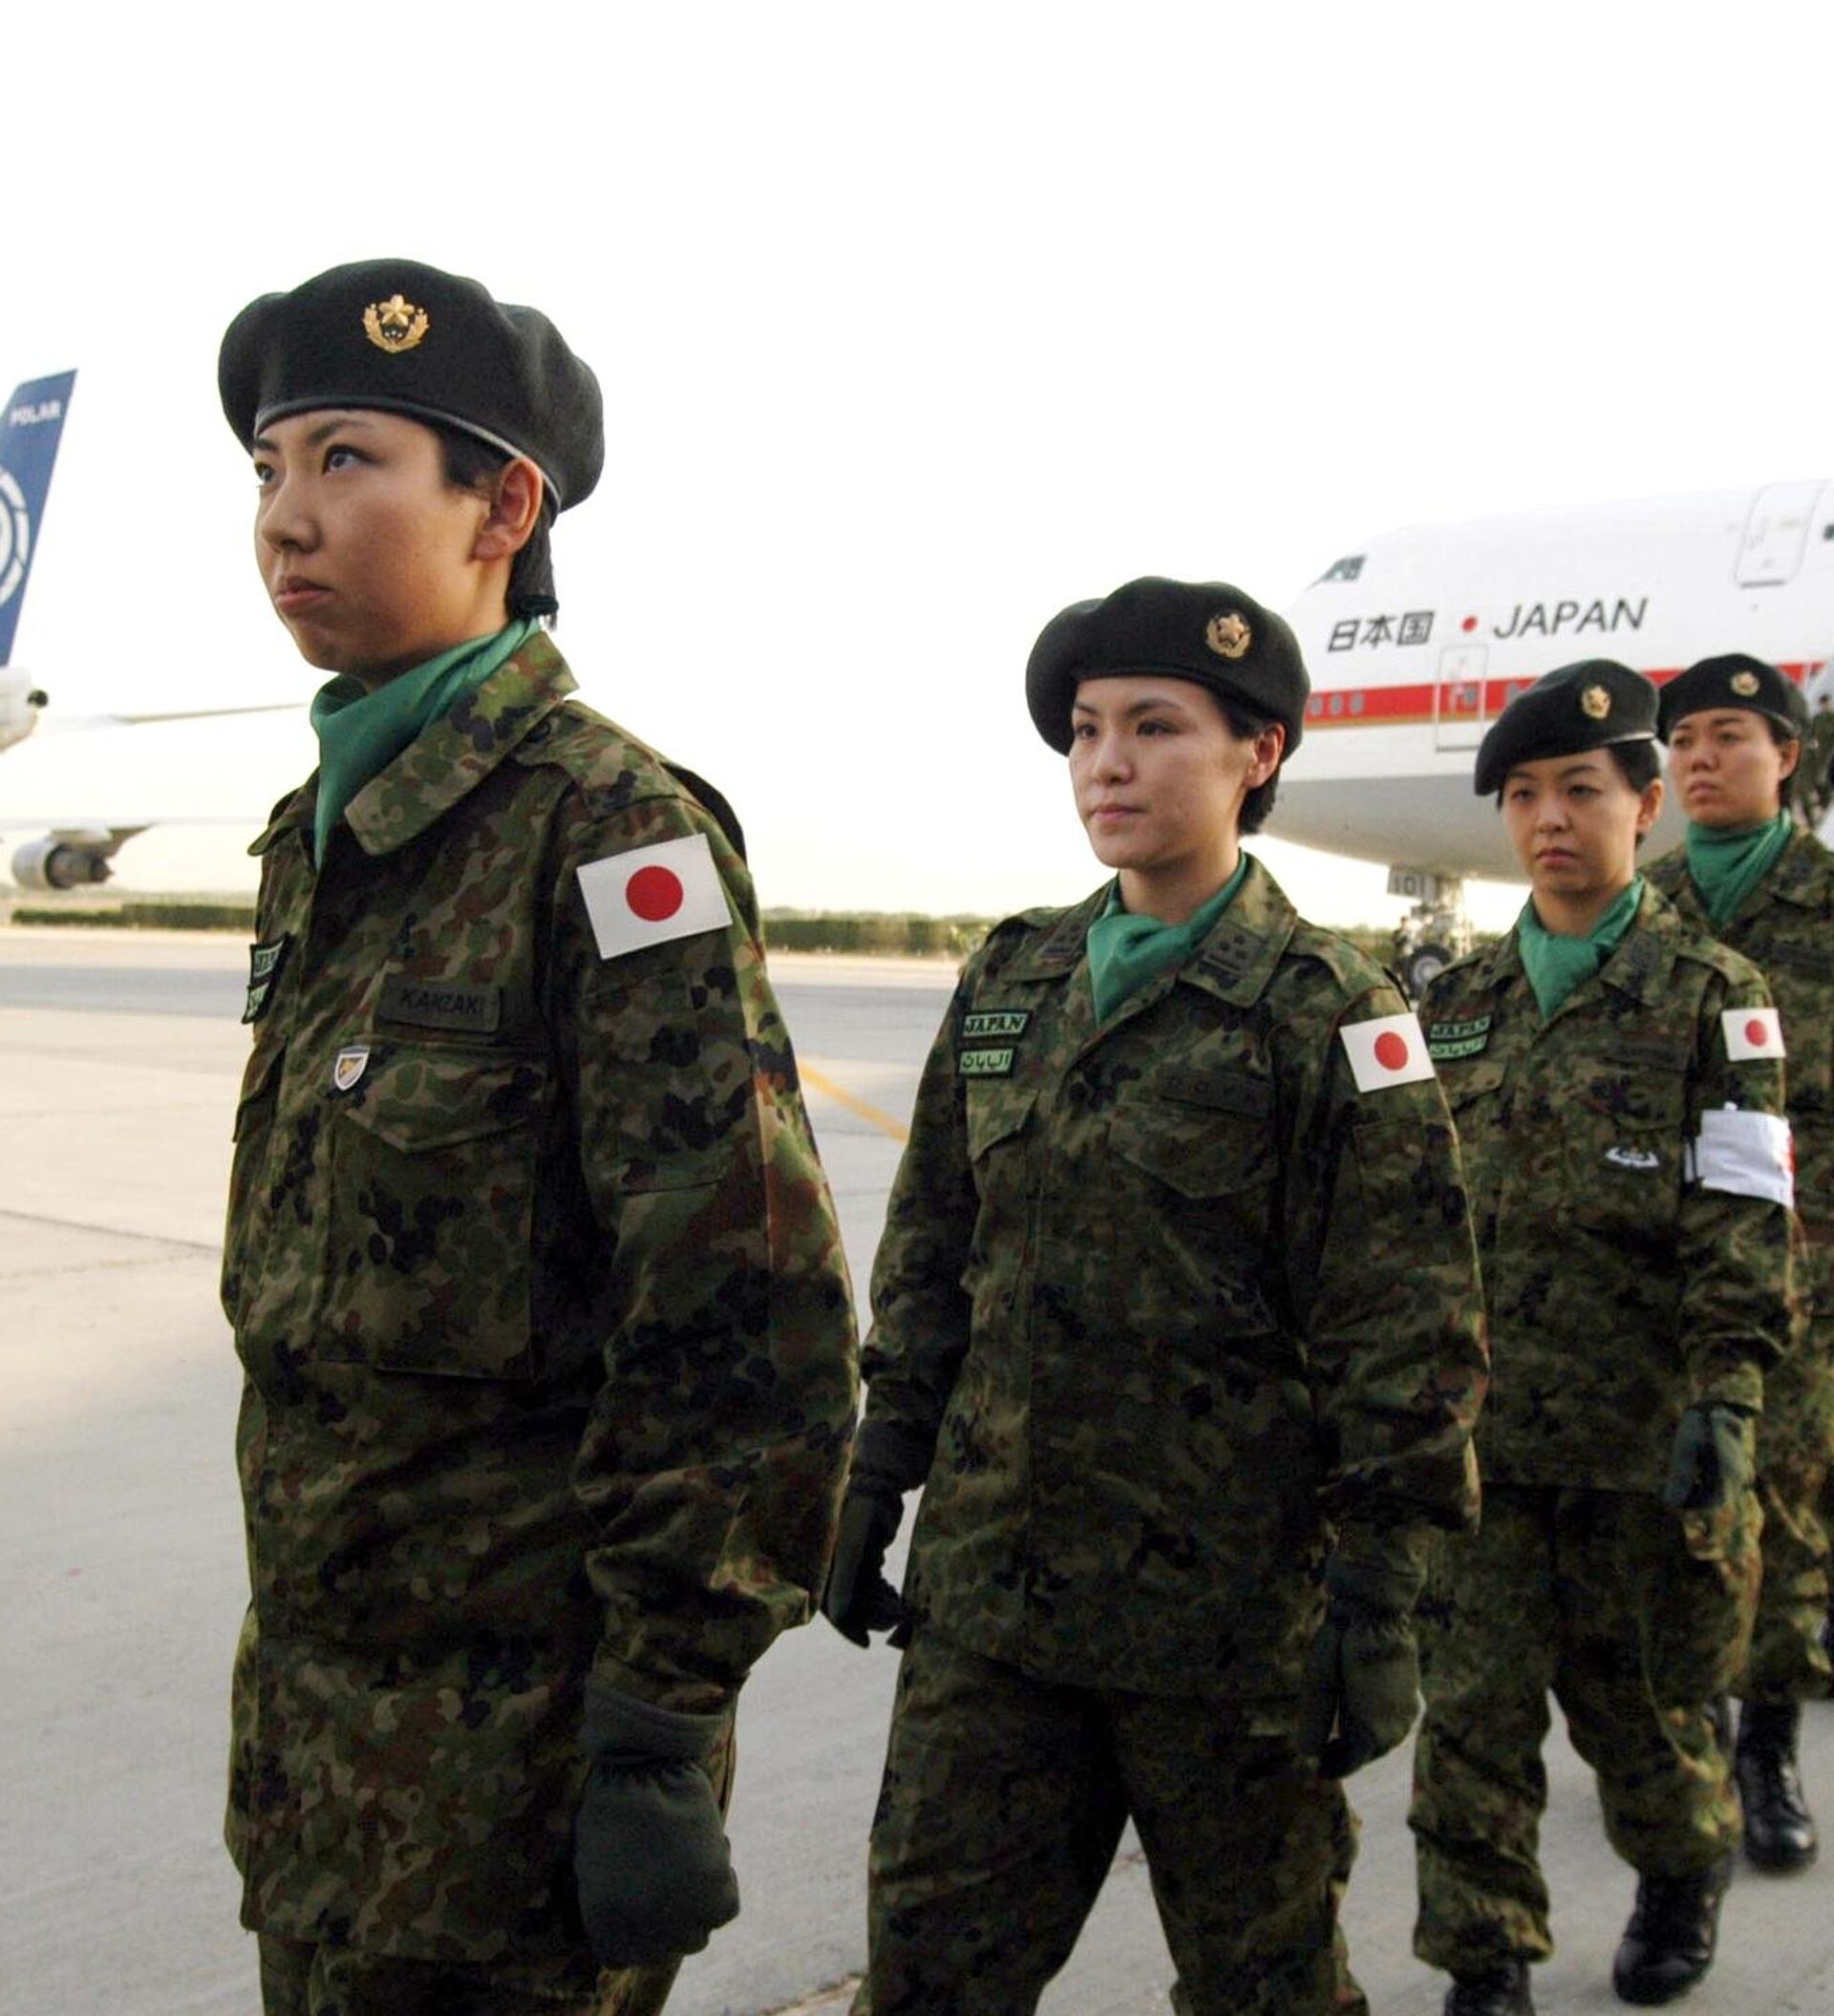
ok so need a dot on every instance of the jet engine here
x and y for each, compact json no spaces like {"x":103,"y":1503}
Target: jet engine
{"x":75,"y":860}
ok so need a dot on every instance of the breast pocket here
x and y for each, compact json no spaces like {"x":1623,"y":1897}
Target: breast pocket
{"x":1623,"y":1147}
{"x":253,"y":1136}
{"x":1191,"y":1213}
{"x":433,"y":1157}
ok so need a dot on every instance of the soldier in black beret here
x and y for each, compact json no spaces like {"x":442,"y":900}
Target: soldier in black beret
{"x":1762,"y":882}
{"x":1185,"y":1371}
{"x":1619,"y":1103}
{"x":535,"y":1279}
{"x":1596,"y":704}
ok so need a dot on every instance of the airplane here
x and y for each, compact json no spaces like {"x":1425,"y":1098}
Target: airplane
{"x":1416,"y":641}
{"x":76,"y":852}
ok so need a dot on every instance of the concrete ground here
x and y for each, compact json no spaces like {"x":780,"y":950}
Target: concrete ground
{"x":121,"y":1578}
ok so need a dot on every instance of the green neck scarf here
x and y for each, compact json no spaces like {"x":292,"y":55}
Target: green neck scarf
{"x":1728,"y":866}
{"x":1125,"y":951}
{"x":1556,"y":966}
{"x":360,"y":733}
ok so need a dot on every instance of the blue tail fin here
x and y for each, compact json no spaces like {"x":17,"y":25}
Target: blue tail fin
{"x":34,"y":424}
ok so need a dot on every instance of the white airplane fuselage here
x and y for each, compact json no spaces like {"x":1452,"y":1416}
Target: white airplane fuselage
{"x":19,"y":703}
{"x":1415,"y":642}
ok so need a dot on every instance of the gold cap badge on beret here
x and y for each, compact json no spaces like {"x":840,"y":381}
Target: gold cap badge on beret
{"x":1596,"y":703}
{"x":1228,"y":636}
{"x":1743,"y":683}
{"x":394,"y":325}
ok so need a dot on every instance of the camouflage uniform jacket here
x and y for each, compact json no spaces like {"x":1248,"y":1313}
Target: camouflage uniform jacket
{"x":1785,"y":927}
{"x":1619,"y":1289}
{"x":1161,"y":1298}
{"x":544,"y":1320}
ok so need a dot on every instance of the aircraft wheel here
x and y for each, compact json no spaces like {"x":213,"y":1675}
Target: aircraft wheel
{"x":1423,"y":963}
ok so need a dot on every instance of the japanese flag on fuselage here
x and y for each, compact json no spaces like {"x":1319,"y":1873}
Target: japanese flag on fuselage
{"x":1389,"y":1051}
{"x":1751,"y":1032}
{"x":649,"y":894}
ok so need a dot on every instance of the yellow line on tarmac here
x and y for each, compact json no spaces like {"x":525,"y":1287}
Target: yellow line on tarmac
{"x":859,"y":1108}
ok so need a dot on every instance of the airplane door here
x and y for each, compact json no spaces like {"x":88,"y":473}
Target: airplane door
{"x":1458,"y":699}
{"x":1775,"y":534}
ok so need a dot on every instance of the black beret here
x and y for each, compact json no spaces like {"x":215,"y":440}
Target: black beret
{"x":1202,"y":630}
{"x":1587,"y":705}
{"x":402,"y":337}
{"x":1734,"y":681}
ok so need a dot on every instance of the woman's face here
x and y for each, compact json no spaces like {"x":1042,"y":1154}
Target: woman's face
{"x":1727,"y":767}
{"x":1160,"y":778}
{"x":367,"y":553}
{"x":1574,"y":822}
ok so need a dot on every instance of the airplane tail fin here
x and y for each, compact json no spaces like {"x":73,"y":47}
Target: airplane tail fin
{"x":31,"y":427}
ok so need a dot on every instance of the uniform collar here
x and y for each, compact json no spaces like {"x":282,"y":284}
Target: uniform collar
{"x":1235,"y":961}
{"x":450,"y":760}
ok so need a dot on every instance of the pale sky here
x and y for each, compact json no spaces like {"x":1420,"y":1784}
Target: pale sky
{"x":914,"y":324}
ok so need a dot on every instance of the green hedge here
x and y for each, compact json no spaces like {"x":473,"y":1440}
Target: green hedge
{"x":150,"y":916}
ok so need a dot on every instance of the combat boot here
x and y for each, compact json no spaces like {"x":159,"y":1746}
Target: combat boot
{"x":1668,"y":1944}
{"x":1780,"y":1831}
{"x":1501,"y":1990}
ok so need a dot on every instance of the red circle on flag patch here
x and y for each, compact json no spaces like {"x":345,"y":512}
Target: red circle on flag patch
{"x":1757,"y":1033}
{"x":1390,"y":1051}
{"x":654,"y":894}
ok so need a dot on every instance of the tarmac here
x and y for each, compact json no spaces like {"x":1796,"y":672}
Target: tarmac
{"x":123,"y":1582}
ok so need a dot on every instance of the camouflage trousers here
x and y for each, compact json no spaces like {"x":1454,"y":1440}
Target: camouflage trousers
{"x":300,"y":1980}
{"x":1004,"y":1798}
{"x":305,"y":1978}
{"x":1636,"y":1617}
{"x":1795,"y":1441}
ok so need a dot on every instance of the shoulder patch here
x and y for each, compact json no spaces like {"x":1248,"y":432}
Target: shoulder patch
{"x":649,"y":894}
{"x":1751,"y":1032}
{"x":1387,"y":1051}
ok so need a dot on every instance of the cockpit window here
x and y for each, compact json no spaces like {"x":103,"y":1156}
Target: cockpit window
{"x":1349,"y":569}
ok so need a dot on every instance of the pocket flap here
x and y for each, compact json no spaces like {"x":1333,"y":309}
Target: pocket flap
{"x":418,"y":1100}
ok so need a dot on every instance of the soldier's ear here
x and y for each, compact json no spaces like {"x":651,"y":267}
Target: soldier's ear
{"x":1649,"y":805}
{"x":515,"y":510}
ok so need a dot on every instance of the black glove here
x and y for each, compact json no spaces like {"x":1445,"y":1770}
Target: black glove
{"x":857,"y":1599}
{"x":1363,"y":1675}
{"x":1712,"y":1457}
{"x":651,"y":1858}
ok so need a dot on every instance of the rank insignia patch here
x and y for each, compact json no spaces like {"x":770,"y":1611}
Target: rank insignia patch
{"x":264,"y":962}
{"x":985,"y":1063}
{"x":394,"y":325}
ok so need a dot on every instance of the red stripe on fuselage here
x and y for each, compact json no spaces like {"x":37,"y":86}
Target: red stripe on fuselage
{"x":1468,"y":700}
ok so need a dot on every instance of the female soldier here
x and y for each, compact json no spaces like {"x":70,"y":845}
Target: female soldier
{"x":1176,"y":1297}
{"x":534,"y":1276}
{"x":1615,"y":1079}
{"x":1748,"y":874}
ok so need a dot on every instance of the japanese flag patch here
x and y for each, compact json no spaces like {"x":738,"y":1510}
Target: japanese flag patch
{"x":1390,"y":1051}
{"x":1751,"y":1032}
{"x":651,"y":895}
{"x":1744,"y":1154}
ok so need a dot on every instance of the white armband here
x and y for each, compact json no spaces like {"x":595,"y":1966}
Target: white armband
{"x":1744,"y":1154}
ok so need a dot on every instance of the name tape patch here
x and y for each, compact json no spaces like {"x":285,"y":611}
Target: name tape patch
{"x":432,"y":1004}
{"x":995,"y":1022}
{"x":264,"y":962}
{"x":1458,"y":1039}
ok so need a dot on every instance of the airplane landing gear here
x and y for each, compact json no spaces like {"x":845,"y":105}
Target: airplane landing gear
{"x":1434,"y":932}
